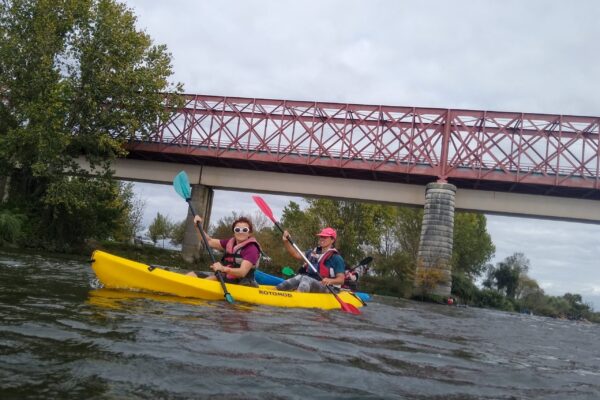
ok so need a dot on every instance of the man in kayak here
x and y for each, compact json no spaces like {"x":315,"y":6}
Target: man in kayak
{"x":326,"y":260}
{"x":241,"y":253}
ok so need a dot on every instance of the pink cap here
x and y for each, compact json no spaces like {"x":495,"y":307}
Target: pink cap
{"x":328,"y":232}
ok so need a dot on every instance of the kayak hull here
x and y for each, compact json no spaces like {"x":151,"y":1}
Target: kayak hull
{"x":266,"y":279}
{"x":120,"y":273}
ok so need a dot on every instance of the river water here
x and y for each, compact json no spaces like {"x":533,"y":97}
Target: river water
{"x":61,"y":338}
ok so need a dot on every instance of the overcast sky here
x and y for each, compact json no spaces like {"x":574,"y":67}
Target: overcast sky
{"x":509,"y":55}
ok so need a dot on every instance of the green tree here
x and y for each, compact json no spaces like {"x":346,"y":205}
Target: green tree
{"x":396,"y":262}
{"x":473,"y":247}
{"x":526,"y":287}
{"x":130,"y":222}
{"x":506,"y":274}
{"x":11,"y":226}
{"x":178,"y":232}
{"x":301,"y":224}
{"x":356,"y":224}
{"x":77,"y":79}
{"x":408,"y":230}
{"x":160,"y":228}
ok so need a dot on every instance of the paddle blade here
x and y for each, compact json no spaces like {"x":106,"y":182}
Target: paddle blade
{"x":181,"y":183}
{"x":264,"y":207}
{"x":229,"y":298}
{"x":364,"y":297}
{"x":287,"y":271}
{"x":366,"y":261}
{"x":349,"y":308}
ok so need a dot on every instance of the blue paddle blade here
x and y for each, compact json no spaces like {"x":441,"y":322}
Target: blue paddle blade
{"x":363,"y":296}
{"x":181,"y":183}
{"x":229,"y":298}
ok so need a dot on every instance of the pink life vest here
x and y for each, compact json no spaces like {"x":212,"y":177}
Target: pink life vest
{"x":233,"y":254}
{"x":324,"y":271}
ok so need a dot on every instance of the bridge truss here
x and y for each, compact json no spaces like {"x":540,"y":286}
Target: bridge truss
{"x":506,"y":151}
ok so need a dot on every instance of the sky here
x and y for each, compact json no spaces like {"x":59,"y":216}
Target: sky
{"x":510,"y":55}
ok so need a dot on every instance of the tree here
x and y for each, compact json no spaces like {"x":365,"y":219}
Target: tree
{"x":11,"y":226}
{"x":400,"y":229}
{"x":301,"y":224}
{"x":76,"y":80}
{"x":356,"y":223}
{"x":178,"y":232}
{"x":130,"y":222}
{"x":408,"y":230}
{"x":507,"y":273}
{"x":526,"y":287}
{"x":160,"y":228}
{"x":473,"y":246}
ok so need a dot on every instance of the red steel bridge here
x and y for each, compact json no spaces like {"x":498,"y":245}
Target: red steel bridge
{"x":557,"y":155}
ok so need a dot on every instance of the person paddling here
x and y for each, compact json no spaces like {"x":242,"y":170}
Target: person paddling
{"x":325,"y":258}
{"x":241,"y":257}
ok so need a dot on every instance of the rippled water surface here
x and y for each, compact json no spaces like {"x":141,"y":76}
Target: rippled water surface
{"x":60,"y":338}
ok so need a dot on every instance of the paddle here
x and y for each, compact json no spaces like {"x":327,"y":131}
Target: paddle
{"x":181,"y":184}
{"x":287,"y":271}
{"x":363,"y":262}
{"x":264,"y":207}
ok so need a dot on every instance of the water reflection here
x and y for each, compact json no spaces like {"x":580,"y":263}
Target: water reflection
{"x":119,"y":299}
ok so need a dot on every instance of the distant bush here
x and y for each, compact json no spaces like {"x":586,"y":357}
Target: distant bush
{"x":11,"y":226}
{"x":493,"y":299}
{"x":384,"y":286}
{"x":464,"y":288}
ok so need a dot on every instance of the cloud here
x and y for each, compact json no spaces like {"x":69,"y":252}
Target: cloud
{"x":519,"y":56}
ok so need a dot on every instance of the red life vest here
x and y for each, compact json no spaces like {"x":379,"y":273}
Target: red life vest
{"x":315,"y":258}
{"x":233,"y":254}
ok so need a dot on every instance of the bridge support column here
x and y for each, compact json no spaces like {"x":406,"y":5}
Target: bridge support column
{"x":202,"y":197}
{"x":434,"y":269}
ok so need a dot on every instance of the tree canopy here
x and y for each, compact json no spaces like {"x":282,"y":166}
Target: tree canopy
{"x":77,"y":79}
{"x":507,"y":274}
{"x":160,"y":228}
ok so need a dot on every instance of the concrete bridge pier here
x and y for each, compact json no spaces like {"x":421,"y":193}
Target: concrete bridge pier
{"x":437,"y":236}
{"x":202,"y":198}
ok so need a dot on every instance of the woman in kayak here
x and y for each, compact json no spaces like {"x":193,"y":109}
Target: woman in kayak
{"x":241,"y":253}
{"x":326,"y":260}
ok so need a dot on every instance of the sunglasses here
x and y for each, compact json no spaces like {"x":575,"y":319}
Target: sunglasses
{"x":237,"y":229}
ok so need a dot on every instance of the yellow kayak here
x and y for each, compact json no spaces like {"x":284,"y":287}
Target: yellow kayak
{"x":121,"y":273}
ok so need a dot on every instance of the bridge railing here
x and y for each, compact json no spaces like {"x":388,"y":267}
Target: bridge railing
{"x":545,"y":149}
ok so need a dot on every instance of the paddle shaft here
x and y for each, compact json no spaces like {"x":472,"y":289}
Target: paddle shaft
{"x":363,"y":263}
{"x":208,"y":248}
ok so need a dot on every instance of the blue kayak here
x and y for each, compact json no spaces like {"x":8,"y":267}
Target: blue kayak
{"x":262,"y":278}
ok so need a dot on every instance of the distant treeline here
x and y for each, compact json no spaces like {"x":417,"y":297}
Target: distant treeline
{"x":391,"y":236}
